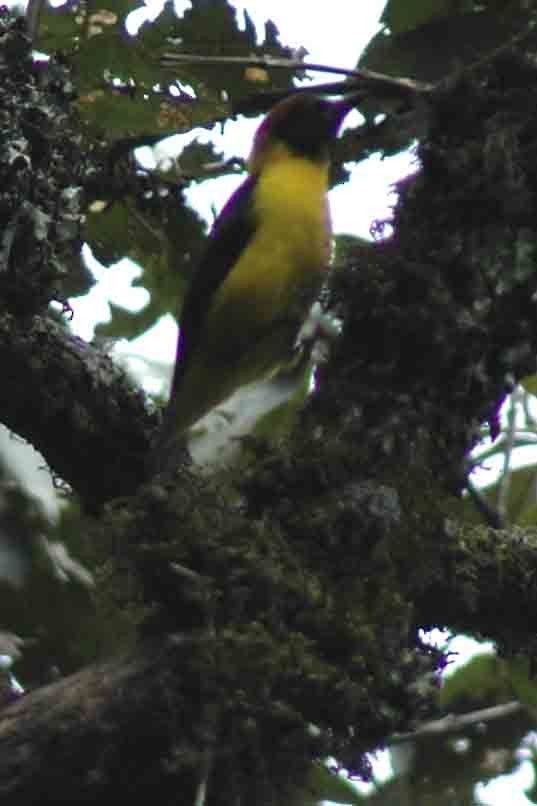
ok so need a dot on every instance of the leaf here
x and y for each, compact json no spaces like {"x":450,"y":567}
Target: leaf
{"x":323,"y":784}
{"x":78,"y":279}
{"x":195,"y":158}
{"x":211,"y":28}
{"x":165,"y":238}
{"x":405,"y":15}
{"x":120,"y":55}
{"x":120,"y":80}
{"x":521,"y":504}
{"x":521,"y":497}
{"x":431,"y":51}
{"x":130,"y":114}
{"x":59,"y":27}
{"x":67,"y":26}
{"x":126,"y":324}
{"x":108,"y":233}
{"x":529,"y":383}
{"x":117,"y":74}
{"x":482,"y":682}
{"x":524,"y":685}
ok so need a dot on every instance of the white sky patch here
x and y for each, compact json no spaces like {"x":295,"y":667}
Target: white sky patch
{"x":507,"y":789}
{"x":461,"y":647}
{"x":150,"y":357}
{"x":150,"y":11}
{"x":369,"y":195}
{"x":334,"y":33}
{"x":114,"y":284}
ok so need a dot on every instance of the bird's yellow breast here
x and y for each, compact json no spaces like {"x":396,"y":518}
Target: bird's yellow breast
{"x":281,"y":268}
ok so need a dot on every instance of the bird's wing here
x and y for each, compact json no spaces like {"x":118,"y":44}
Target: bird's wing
{"x":231,"y":232}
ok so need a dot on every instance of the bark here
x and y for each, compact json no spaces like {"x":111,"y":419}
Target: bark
{"x":91,"y":735}
{"x":77,"y":407}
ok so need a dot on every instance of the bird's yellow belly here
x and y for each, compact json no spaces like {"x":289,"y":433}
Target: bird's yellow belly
{"x":280,"y":272}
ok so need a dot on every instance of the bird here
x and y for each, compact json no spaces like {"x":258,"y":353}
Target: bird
{"x":262,"y":268}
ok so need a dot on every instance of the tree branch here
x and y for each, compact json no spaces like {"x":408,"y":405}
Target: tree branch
{"x":455,"y":723}
{"x":77,"y":407}
{"x":104,"y":706}
{"x":369,"y":78}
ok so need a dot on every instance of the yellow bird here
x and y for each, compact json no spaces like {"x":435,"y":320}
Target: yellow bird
{"x":262,"y":268}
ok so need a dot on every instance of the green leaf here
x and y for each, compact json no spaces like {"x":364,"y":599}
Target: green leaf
{"x":128,"y":324}
{"x":524,"y":685}
{"x":430,"y":51}
{"x":70,"y":25}
{"x":78,"y":279}
{"x":322,"y":784}
{"x":125,"y":114}
{"x":211,"y":28}
{"x":103,"y":53}
{"x":521,"y":498}
{"x":529,"y":383}
{"x":121,"y":84}
{"x":165,"y":237}
{"x":108,"y":233}
{"x":196,"y":156}
{"x":482,"y":682}
{"x":405,"y":15}
{"x":59,"y":28}
{"x":120,"y":55}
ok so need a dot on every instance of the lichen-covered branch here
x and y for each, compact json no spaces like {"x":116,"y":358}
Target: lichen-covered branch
{"x":486,"y":584}
{"x":75,"y":405}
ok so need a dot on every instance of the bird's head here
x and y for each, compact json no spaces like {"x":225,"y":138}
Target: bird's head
{"x":304,"y":124}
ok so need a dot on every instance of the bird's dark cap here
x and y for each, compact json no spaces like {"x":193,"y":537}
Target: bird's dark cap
{"x":305,"y":122}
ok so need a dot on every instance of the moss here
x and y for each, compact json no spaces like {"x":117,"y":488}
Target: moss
{"x":292,"y":617}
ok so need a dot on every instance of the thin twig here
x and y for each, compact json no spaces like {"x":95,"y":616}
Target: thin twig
{"x":455,"y":723}
{"x":505,"y":476}
{"x":186,"y":573}
{"x":171,"y":60}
